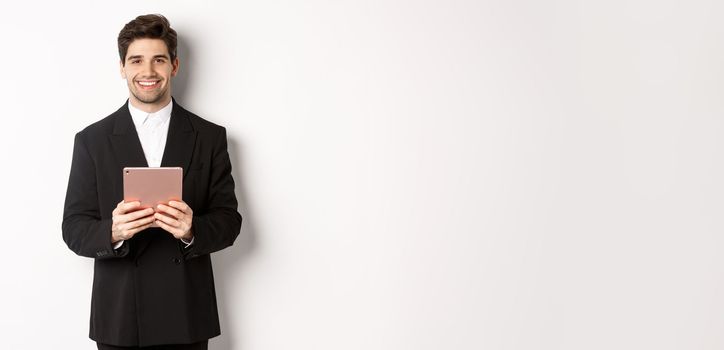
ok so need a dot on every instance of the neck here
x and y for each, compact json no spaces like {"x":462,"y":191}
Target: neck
{"x":150,"y":107}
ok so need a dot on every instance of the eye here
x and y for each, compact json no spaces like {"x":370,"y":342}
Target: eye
{"x":135,"y":61}
{"x":160,"y":60}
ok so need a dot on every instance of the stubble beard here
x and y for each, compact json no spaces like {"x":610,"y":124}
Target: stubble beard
{"x":148,"y":98}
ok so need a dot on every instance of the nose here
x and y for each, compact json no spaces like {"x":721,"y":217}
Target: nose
{"x":147,"y":69}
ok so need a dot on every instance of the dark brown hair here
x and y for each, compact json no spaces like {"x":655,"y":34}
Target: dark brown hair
{"x":147,"y":26}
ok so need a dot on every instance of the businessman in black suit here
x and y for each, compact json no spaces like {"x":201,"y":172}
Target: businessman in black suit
{"x":153,"y":287}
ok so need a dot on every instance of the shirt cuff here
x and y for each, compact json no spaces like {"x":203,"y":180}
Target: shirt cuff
{"x":119,"y":244}
{"x":188,"y":243}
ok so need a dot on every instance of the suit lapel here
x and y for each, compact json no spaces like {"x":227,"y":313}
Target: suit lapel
{"x":180,"y":140}
{"x":126,"y":144}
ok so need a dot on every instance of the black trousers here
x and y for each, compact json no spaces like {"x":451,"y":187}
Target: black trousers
{"x":202,"y":345}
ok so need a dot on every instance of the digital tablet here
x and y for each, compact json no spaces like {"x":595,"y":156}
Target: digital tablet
{"x":152,"y":186}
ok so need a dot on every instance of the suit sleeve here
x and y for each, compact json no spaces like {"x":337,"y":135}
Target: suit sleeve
{"x":219,"y":226}
{"x":84,"y":231}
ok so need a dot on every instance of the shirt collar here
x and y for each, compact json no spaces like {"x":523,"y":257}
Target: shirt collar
{"x":140,"y":117}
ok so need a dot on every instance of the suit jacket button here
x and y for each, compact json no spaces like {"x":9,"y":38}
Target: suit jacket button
{"x":176,"y":261}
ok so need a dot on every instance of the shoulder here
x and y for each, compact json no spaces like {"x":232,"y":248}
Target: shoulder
{"x":201,"y":125}
{"x":103,"y":127}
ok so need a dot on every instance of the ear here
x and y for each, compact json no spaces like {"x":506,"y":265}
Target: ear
{"x":175,"y":64}
{"x":123,"y":69}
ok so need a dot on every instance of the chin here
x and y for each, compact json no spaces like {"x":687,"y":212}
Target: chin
{"x":149,"y":99}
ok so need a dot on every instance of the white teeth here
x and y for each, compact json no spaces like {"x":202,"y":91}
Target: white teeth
{"x":147,"y":83}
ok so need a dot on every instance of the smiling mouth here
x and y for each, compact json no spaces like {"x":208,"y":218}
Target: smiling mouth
{"x":147,"y":85}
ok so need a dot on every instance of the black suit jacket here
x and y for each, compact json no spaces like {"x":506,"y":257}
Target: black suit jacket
{"x":152,"y":290}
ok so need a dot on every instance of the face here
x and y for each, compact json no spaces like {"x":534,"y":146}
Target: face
{"x":148,"y":70}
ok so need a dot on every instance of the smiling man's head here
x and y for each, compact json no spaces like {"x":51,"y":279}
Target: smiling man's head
{"x":147,"y":48}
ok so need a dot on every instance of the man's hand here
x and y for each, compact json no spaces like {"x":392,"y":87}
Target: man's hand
{"x":128,"y":220}
{"x":176,"y":218}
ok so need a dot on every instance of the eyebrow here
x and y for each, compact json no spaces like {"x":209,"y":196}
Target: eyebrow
{"x":141,"y":56}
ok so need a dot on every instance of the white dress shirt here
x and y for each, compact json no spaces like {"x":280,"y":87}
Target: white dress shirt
{"x":152,"y":129}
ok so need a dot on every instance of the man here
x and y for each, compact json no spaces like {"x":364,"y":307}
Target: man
{"x":152,"y":286}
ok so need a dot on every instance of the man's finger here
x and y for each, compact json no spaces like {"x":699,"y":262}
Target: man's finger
{"x":167,"y":219}
{"x":182,"y":206}
{"x":135,"y":215}
{"x":136,"y":223}
{"x":171,"y":211}
{"x":135,"y":230}
{"x":129,"y":228}
{"x":117,"y":210}
{"x":126,"y":207}
{"x":172,"y":230}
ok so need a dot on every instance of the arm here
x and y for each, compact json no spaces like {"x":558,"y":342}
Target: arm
{"x":219,"y":226}
{"x":84,"y":231}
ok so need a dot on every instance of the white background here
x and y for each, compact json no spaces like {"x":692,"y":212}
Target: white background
{"x":419,"y":175}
